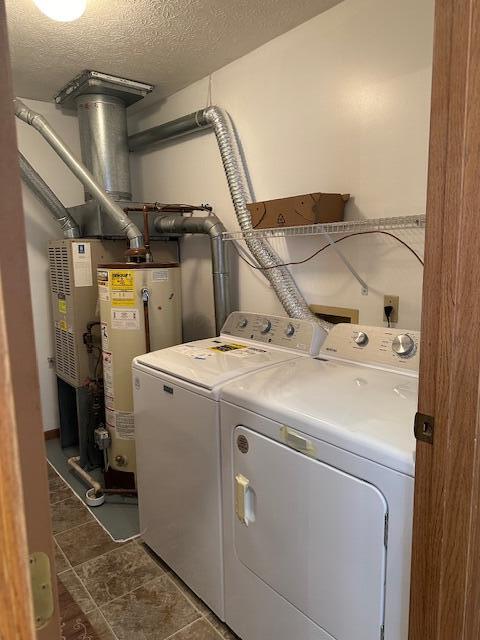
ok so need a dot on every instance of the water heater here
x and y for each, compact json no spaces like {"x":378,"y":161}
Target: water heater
{"x":140,"y":311}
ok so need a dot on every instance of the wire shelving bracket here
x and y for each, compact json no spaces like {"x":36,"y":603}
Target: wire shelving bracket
{"x":345,"y":228}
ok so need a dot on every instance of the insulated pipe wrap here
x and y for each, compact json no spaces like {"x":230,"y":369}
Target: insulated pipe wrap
{"x":43,"y":192}
{"x":280,"y":277}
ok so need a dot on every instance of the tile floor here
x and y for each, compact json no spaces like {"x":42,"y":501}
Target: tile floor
{"x":123,"y":589}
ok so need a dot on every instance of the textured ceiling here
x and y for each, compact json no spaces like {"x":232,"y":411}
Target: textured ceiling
{"x":168,"y":43}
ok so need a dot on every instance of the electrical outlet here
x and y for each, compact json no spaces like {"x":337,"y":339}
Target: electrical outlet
{"x":391,"y":301}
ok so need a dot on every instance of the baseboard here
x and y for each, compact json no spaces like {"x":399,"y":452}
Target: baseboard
{"x":51,"y":434}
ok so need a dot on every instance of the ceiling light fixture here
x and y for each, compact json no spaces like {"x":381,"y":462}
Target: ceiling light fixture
{"x":62,"y":10}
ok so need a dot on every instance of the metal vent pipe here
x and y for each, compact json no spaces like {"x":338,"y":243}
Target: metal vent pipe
{"x":279,"y":276}
{"x":102,"y":121}
{"x":213,"y":227}
{"x":43,"y":192}
{"x":121,"y":219}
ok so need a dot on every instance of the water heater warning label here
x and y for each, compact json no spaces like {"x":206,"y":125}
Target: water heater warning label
{"x":127,"y":319}
{"x":122,"y":280}
{"x":125,"y":425}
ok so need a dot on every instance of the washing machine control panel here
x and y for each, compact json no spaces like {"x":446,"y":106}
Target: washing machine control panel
{"x":304,"y":336}
{"x":375,"y":346}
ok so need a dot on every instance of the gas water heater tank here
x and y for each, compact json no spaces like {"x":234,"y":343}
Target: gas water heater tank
{"x":140,"y":311}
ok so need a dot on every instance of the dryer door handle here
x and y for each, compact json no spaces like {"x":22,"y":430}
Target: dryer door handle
{"x":243,"y":500}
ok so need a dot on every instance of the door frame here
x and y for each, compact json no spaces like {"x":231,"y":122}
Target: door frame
{"x":445,"y":591}
{"x":25,"y":522}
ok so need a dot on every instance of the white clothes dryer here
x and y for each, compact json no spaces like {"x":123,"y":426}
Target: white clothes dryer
{"x":177,"y":422}
{"x":318,"y":478}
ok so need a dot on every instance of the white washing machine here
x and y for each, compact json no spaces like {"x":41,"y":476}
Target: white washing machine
{"x":177,"y":418}
{"x":318,"y":479}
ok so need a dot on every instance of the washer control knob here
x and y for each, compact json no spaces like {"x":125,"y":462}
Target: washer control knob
{"x":289,"y":330}
{"x":265,"y":326}
{"x":243,"y":323}
{"x":361,"y":339}
{"x":403,"y":345}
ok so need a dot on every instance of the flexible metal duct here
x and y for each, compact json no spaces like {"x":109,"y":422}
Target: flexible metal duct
{"x":214,"y":228}
{"x":38,"y":122}
{"x":43,"y":192}
{"x":280,"y":277}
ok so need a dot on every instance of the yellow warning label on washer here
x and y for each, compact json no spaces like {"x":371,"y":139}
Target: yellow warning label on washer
{"x":228,"y":346}
{"x":122,"y":280}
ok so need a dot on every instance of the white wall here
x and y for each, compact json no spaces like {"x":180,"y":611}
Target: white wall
{"x":339,"y":104}
{"x":40,"y":230}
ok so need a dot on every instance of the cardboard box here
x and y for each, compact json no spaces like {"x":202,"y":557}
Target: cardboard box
{"x":310,"y":208}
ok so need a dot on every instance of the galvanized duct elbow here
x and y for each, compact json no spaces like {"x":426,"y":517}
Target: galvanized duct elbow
{"x":213,"y":227}
{"x":43,"y":192}
{"x":279,"y":276}
{"x":38,"y":122}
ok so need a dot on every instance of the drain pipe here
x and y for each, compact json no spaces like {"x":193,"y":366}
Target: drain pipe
{"x":279,"y":276}
{"x":43,"y":192}
{"x":38,"y":122}
{"x":214,"y":228}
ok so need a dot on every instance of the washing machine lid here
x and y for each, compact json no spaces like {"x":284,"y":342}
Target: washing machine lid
{"x":214,"y":361}
{"x":367,"y":411}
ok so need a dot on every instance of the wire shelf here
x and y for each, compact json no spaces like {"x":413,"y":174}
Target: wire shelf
{"x":353,"y":226}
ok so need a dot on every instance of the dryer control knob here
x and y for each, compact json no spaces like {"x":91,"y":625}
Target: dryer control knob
{"x":243,"y":323}
{"x":361,"y":339}
{"x":403,"y":345}
{"x":289,"y":330}
{"x":266,"y":326}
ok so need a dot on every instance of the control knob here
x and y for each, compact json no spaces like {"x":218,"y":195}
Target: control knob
{"x":289,"y":330}
{"x":243,"y":323}
{"x":403,"y":345}
{"x":361,"y":339}
{"x":265,"y":326}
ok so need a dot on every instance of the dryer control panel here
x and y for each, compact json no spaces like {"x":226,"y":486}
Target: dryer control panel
{"x":304,"y":336}
{"x":387,"y":348}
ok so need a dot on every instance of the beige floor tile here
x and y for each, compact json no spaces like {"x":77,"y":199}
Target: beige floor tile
{"x":85,"y":542}
{"x":58,"y":489}
{"x":199,"y":630}
{"x":154,"y":611}
{"x":69,"y":513}
{"x":100,"y":625}
{"x":117,"y":572}
{"x":61,"y":562}
{"x":76,"y":589}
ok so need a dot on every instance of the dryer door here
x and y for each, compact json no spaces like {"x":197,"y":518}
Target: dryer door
{"x":312,"y":533}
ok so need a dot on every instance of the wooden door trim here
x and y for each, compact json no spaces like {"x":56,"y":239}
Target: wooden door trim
{"x":445,"y":570}
{"x":25,"y":523}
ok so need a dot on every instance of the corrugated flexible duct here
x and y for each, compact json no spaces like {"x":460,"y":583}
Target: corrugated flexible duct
{"x":43,"y":192}
{"x":279,"y":276}
{"x":111,"y":208}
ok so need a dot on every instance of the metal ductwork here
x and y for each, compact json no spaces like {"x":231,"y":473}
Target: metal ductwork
{"x":118,"y":216}
{"x":213,"y":227}
{"x":43,"y":192}
{"x":102,"y":122}
{"x":279,"y":276}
